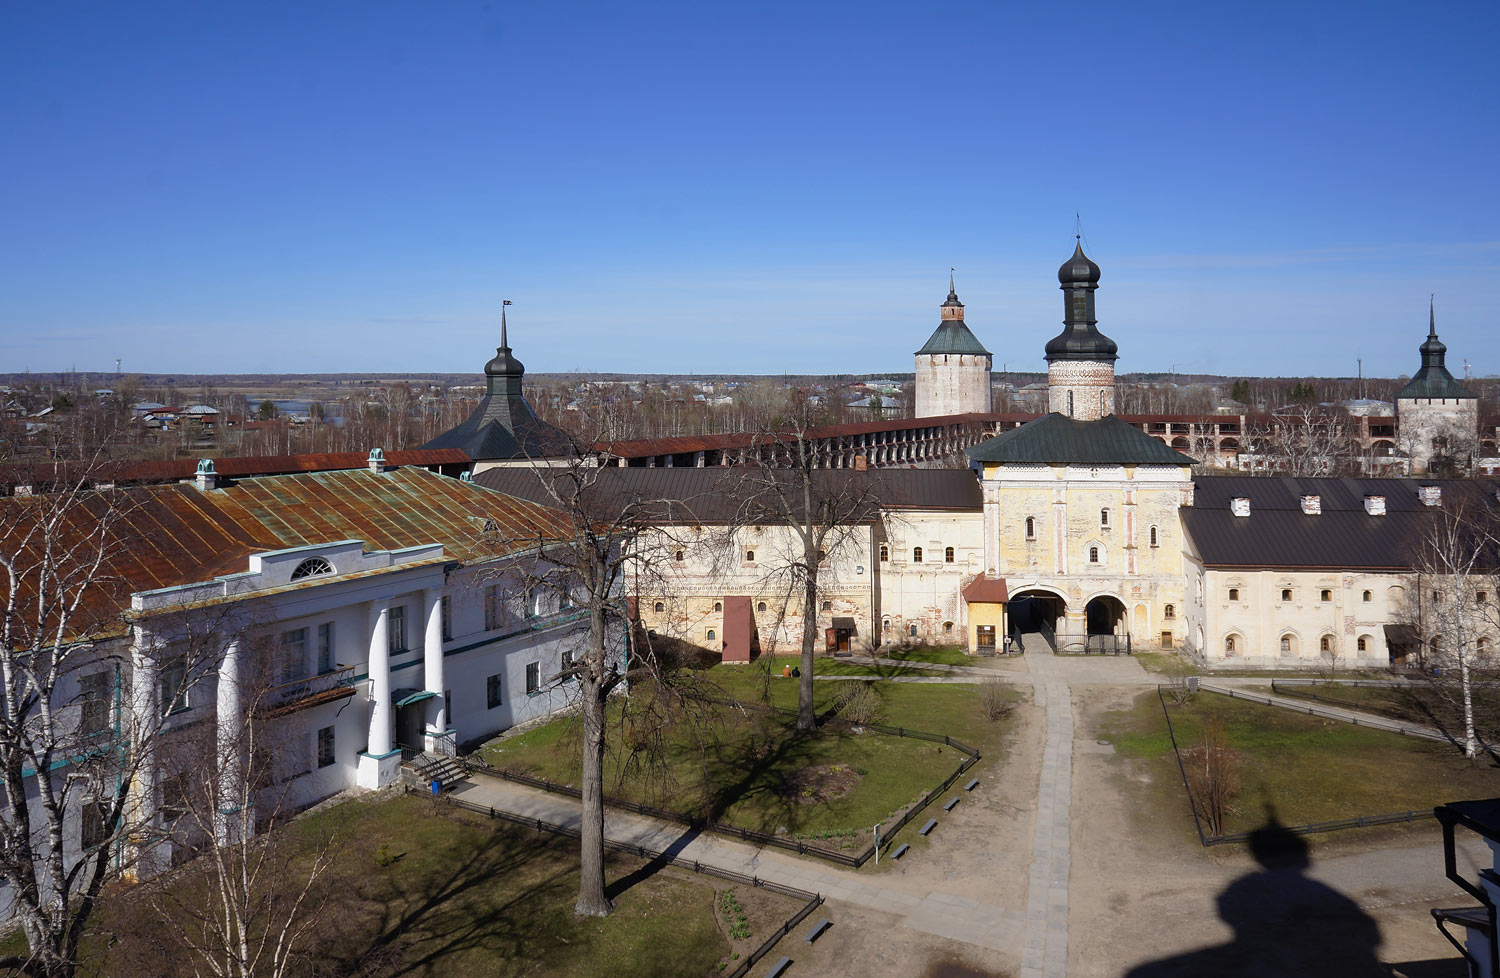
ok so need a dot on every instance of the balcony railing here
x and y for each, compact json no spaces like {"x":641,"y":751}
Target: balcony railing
{"x":299,"y":694}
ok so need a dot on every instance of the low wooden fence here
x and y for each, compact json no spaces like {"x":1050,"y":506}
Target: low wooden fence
{"x":801,"y":847}
{"x":1358,"y":822}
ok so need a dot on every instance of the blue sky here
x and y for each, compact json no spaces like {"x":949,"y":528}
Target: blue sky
{"x":1269,"y":188}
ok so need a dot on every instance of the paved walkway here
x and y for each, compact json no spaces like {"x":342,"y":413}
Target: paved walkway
{"x":1046,"y":953}
{"x":1229,"y":687}
{"x":929,"y":911}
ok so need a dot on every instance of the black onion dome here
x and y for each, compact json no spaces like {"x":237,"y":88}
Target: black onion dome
{"x":1079,"y":268}
{"x":1082,"y":341}
{"x":503,"y":364}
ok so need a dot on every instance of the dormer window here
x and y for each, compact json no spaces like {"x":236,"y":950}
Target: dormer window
{"x":312,"y":567}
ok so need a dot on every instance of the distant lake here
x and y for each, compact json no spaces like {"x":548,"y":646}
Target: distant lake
{"x":284,"y":407}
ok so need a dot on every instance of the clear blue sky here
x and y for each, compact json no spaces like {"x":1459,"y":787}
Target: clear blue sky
{"x":1270,"y":188}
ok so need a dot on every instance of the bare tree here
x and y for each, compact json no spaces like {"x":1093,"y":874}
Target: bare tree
{"x":823,"y":510}
{"x":226,"y":798}
{"x":1451,"y":604}
{"x":72,"y":754}
{"x":1304,"y":442}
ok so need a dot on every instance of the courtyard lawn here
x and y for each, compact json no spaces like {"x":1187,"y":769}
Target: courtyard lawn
{"x":751,"y":769}
{"x":948,"y":655}
{"x":459,"y":894}
{"x":829,"y":666}
{"x":1305,"y":768}
{"x":1424,"y":704}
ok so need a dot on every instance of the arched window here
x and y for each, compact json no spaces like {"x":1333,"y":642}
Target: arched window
{"x":749,"y":556}
{"x":1103,"y":403}
{"x":1234,"y":594}
{"x":718,"y":606}
{"x":1325,"y":644}
{"x":885,"y":552}
{"x":1093,"y":555}
{"x":916,"y":555}
{"x":1104,"y":517}
{"x":1367,"y":597}
{"x":1229,"y":643}
{"x":947,"y":555}
{"x":311,"y":567}
{"x":1031,"y":527}
{"x":679,"y":556}
{"x":712,"y":635}
{"x":1286,"y":594}
{"x":760,"y":606}
{"x":947,"y":628}
{"x":1153,"y":537}
{"x":659,"y":606}
{"x":885,"y":625}
{"x":1286,"y":643}
{"x":1362,"y":643}
{"x":1325,"y":595}
{"x":1070,"y":404}
{"x":1170,"y":611}
{"x":911,"y":630}
{"x":827,"y":605}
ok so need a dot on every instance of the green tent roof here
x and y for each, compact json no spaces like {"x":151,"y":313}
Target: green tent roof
{"x":1054,"y":439}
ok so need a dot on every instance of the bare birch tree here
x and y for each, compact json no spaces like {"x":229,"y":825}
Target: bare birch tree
{"x":1451,"y":605}
{"x":70,"y":749}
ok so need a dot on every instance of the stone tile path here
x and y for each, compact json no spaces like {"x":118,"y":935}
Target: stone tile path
{"x":1046,"y":952}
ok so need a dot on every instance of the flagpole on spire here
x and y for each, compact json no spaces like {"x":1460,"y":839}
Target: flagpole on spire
{"x":504,"y":343}
{"x":1431,"y":316}
{"x":950,"y":279}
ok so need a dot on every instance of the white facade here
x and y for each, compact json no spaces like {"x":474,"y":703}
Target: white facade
{"x":952,"y":383}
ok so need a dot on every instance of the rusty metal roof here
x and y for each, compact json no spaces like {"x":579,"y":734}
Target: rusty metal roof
{"x":171,"y":535}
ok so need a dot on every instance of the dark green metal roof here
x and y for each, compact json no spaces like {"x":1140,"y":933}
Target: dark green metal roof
{"x":1056,"y":439}
{"x":1432,"y":379}
{"x":953,"y":337}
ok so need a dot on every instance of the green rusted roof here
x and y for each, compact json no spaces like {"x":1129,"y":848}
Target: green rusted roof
{"x":1054,"y":439}
{"x":953,"y":337}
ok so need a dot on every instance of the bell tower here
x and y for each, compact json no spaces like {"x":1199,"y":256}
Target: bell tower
{"x":1080,"y":359}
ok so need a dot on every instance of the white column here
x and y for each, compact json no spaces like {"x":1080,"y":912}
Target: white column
{"x":432,"y":663}
{"x":144,"y":722}
{"x":381,"y":718}
{"x":230,"y":749}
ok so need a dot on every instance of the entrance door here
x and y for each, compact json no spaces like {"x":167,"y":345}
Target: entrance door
{"x":986,"y":637}
{"x":409,"y":721}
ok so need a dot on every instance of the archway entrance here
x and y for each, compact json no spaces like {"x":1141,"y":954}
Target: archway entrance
{"x":1035,"y":614}
{"x":1108,"y":628}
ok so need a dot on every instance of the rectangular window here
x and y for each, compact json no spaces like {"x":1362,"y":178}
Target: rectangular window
{"x":325,"y":648}
{"x":94,"y":693}
{"x":494,"y":607}
{"x":533,"y":677}
{"x":447,"y":619}
{"x":567,"y":665}
{"x":325,"y":746}
{"x":293,"y":655}
{"x":492,"y":696}
{"x":171,"y":681}
{"x":396,"y":629}
{"x":96,"y":828}
{"x":448,"y":706}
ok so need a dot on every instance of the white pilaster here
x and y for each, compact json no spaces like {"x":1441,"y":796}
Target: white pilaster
{"x":146,"y":719}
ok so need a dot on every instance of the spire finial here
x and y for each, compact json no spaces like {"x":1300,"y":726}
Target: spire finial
{"x":1431,"y":315}
{"x":951,"y":270}
{"x":504,"y":342}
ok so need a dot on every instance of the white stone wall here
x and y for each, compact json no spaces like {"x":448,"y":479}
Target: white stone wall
{"x":1248,"y":606}
{"x":1090,"y":383}
{"x":952,"y":384}
{"x":925,"y":596}
{"x":1422,"y":421}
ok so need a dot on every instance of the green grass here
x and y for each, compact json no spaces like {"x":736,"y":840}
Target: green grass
{"x":1422,"y":704}
{"x":1305,"y":768}
{"x":948,"y":655}
{"x":464,"y":895}
{"x":751,"y":770}
{"x":830,"y":666}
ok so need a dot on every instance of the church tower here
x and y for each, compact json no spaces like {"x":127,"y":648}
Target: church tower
{"x":1080,"y":359}
{"x":1437,"y":418}
{"x":952,"y":367}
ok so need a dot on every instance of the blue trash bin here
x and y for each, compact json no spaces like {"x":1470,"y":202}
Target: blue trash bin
{"x":437,"y":787}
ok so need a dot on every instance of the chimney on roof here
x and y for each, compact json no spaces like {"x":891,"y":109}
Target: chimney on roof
{"x":376,"y":461}
{"x":206,"y":477}
{"x":1430,"y":495}
{"x":1375,"y":505}
{"x":1312,"y":504}
{"x":1240,"y":505}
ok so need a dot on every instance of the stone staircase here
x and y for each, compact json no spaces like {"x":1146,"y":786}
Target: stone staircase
{"x":421,"y":771}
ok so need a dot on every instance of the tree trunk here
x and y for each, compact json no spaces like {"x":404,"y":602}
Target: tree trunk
{"x":592,"y":900}
{"x":1466,"y":691}
{"x":805,"y":718}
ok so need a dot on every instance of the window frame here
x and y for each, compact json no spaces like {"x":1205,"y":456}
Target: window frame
{"x":494,"y":691}
{"x":327,"y":661}
{"x":395,"y":629}
{"x":948,"y":555}
{"x":327,"y":747}
{"x":533,"y":678}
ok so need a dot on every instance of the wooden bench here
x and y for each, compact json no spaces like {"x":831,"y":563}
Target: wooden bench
{"x":972,"y":785}
{"x":818,"y":929}
{"x":900,"y":851}
{"x":951,"y":802}
{"x":779,"y":968}
{"x":931,"y":824}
